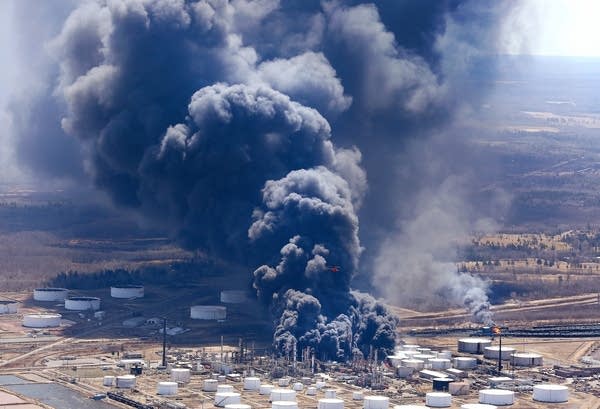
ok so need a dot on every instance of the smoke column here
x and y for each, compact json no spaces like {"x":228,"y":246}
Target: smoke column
{"x":214,"y":120}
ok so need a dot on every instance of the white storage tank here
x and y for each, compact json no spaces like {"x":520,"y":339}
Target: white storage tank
{"x":440,"y":363}
{"x":496,"y":397}
{"x":494,"y":351}
{"x":125,"y":381}
{"x":424,"y":357}
{"x":167,"y":388}
{"x":320,"y":384}
{"x":357,"y":395}
{"x":251,"y":383}
{"x":224,"y":388}
{"x":410,"y":347}
{"x":298,"y":386}
{"x":266,"y":389}
{"x":210,"y":385}
{"x":330,"y":403}
{"x":108,"y":380}
{"x":127,"y":291}
{"x":208,"y":312}
{"x":283,"y":382}
{"x":414,"y":363}
{"x":478,"y":406}
{"x":284,"y":404}
{"x":464,"y":362}
{"x":238,"y":406}
{"x":527,"y":359}
{"x":50,"y":294}
{"x":396,"y":360}
{"x":404,"y":371}
{"x":41,"y":320}
{"x":311,"y":391}
{"x":180,"y":375}
{"x":226,"y":398}
{"x":8,"y":306}
{"x":282,"y":394}
{"x":376,"y":402}
{"x":82,"y":303}
{"x":445,"y":354}
{"x":233,"y":296}
{"x":473,"y":345}
{"x":438,"y":399}
{"x":550,"y":393}
{"x":330,"y":393}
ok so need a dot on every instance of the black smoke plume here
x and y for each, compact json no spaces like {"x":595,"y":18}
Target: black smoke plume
{"x":214,"y":119}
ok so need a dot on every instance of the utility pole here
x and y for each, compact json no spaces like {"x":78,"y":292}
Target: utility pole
{"x":164,"y":351}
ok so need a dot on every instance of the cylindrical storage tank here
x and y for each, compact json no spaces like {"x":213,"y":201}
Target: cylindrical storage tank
{"x":181,"y":375}
{"x":396,"y":360}
{"x":463,"y":362}
{"x":410,"y":347}
{"x":226,"y":398}
{"x":167,"y":388}
{"x":127,"y":291}
{"x":527,"y":359}
{"x":330,"y":393}
{"x":208,"y":312}
{"x":496,"y":396}
{"x":423,"y":357}
{"x":320,"y":384}
{"x":284,"y":404}
{"x":41,"y":320}
{"x":410,"y":354}
{"x":251,"y":383}
{"x":233,"y":296}
{"x":224,"y":388}
{"x":356,"y":395}
{"x":311,"y":391}
{"x":125,"y":381}
{"x":238,"y":406}
{"x":445,"y":354}
{"x":108,"y":380}
{"x":8,"y":307}
{"x":441,"y":384}
{"x":50,"y":294}
{"x":306,"y":380}
{"x":424,"y":350}
{"x":376,"y":402}
{"x":493,"y":352}
{"x":298,"y":386}
{"x":440,"y":363}
{"x":478,"y":406}
{"x":550,"y":393}
{"x":82,"y":303}
{"x":414,"y":363}
{"x":438,"y":399}
{"x":282,"y":394}
{"x":404,"y":371}
{"x":266,"y":389}
{"x":473,"y":345}
{"x":330,"y":403}
{"x":210,"y":385}
{"x":221,"y":378}
{"x":283,"y":382}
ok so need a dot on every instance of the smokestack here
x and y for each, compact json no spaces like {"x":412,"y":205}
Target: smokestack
{"x":164,"y":345}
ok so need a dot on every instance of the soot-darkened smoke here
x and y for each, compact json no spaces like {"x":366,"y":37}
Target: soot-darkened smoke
{"x":214,"y":119}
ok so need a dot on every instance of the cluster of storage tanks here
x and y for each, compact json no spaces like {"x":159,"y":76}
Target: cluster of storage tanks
{"x":71,"y":303}
{"x":410,"y":358}
{"x":484,"y":346}
{"x":218,"y":312}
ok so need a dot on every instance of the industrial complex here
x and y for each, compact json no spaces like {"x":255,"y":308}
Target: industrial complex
{"x":130,"y":346}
